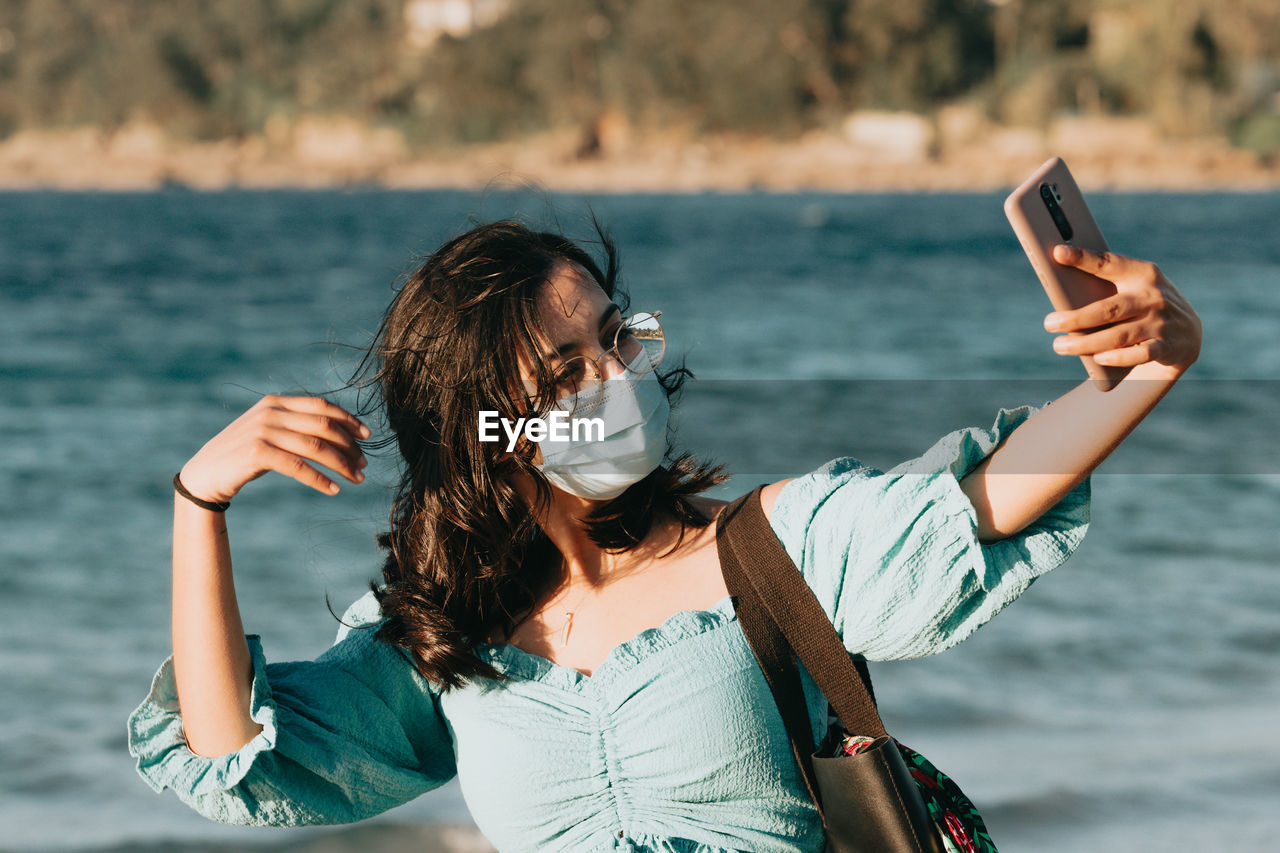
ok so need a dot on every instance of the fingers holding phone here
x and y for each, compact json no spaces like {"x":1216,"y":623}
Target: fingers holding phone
{"x":1046,"y":210}
{"x":1146,"y":319}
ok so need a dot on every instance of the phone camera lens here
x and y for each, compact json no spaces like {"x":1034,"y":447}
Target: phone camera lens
{"x":1051,"y":199}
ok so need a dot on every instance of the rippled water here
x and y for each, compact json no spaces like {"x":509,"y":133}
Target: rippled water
{"x":1127,"y":701}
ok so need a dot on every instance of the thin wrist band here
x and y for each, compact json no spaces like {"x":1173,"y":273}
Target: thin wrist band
{"x":210,"y":505}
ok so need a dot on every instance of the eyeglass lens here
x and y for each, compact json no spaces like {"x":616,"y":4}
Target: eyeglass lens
{"x":580,"y":377}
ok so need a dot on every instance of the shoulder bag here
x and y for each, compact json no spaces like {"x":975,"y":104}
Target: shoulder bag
{"x":872,"y":793}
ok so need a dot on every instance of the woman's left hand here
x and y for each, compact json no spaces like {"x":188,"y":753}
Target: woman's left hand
{"x":1146,"y":320}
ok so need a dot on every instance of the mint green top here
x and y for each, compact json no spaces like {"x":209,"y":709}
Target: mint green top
{"x":674,"y":743}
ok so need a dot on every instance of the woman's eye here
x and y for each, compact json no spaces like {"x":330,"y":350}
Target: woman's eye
{"x":569,"y":373}
{"x":620,"y":334}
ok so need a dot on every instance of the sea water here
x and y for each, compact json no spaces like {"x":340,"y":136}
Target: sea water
{"x":1126,"y":701}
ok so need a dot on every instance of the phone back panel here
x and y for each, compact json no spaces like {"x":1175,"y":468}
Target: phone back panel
{"x":1068,"y":288}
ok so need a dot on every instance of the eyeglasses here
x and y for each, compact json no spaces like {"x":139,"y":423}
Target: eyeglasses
{"x":638,"y":345}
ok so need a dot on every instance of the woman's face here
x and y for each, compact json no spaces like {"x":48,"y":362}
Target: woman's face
{"x":580,"y":320}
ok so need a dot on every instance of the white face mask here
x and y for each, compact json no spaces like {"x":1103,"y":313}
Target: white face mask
{"x":634,"y":409}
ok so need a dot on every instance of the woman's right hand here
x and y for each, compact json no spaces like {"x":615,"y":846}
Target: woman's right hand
{"x":279,"y":434}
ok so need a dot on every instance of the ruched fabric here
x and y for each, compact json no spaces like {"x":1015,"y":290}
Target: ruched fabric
{"x":674,"y":742}
{"x":345,"y":736}
{"x":894,"y":556}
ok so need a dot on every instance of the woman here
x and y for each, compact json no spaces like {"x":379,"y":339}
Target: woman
{"x":553,"y":627}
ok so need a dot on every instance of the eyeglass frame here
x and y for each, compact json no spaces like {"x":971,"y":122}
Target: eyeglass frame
{"x":617,"y":356}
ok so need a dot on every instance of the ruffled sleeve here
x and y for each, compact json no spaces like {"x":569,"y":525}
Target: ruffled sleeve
{"x":344,"y":737}
{"x":894,"y":557}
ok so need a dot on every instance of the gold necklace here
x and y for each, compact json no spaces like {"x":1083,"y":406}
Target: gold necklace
{"x":568,"y":622}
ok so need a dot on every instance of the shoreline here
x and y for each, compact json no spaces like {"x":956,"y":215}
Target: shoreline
{"x":890,"y":153}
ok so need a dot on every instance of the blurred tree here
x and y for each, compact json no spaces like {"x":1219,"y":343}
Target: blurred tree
{"x":1194,"y":66}
{"x":1041,"y":61}
{"x":753,"y":65}
{"x":202,"y":69}
{"x":909,"y":54}
{"x":225,"y":68}
{"x":763,"y":66}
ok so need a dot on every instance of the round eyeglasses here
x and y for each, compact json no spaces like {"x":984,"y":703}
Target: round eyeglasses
{"x":638,"y":345}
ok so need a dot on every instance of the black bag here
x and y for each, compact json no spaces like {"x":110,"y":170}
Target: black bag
{"x":871,"y":800}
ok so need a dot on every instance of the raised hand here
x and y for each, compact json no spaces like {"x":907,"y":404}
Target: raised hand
{"x":283,"y":434}
{"x":1146,"y":320}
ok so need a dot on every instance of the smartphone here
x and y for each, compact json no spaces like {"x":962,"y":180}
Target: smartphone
{"x":1048,"y":209}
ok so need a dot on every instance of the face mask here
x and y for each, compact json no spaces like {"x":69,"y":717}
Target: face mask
{"x":634,"y":409}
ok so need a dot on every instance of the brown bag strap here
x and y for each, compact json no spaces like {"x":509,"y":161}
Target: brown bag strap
{"x":777,"y":662}
{"x":781,"y":617}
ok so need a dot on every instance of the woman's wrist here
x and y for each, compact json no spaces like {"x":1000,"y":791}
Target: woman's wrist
{"x":203,"y":503}
{"x":1157,"y":371}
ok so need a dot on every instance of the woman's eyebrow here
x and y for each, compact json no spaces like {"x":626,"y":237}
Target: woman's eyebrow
{"x":564,"y":349}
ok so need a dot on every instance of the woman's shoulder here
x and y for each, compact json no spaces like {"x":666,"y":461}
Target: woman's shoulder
{"x":711,"y":507}
{"x":769,"y":497}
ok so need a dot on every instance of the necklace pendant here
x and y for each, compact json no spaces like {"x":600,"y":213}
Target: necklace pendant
{"x":568,"y":622}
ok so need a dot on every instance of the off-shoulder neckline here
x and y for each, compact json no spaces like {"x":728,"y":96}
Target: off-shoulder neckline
{"x":679,"y":626}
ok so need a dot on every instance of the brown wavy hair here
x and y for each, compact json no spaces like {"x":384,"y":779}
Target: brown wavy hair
{"x":465,"y":553}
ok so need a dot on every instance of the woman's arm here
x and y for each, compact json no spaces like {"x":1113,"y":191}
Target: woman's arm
{"x":344,"y":737}
{"x":212,"y":668}
{"x":1150,"y":326}
{"x":210,"y":656}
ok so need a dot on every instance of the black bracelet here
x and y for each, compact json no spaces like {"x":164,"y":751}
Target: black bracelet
{"x":210,"y":505}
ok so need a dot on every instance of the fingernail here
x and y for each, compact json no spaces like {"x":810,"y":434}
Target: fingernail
{"x":1052,"y":322}
{"x":364,"y":431}
{"x":359,"y":476}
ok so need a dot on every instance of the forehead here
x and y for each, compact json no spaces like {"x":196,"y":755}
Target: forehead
{"x":570,"y":302}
